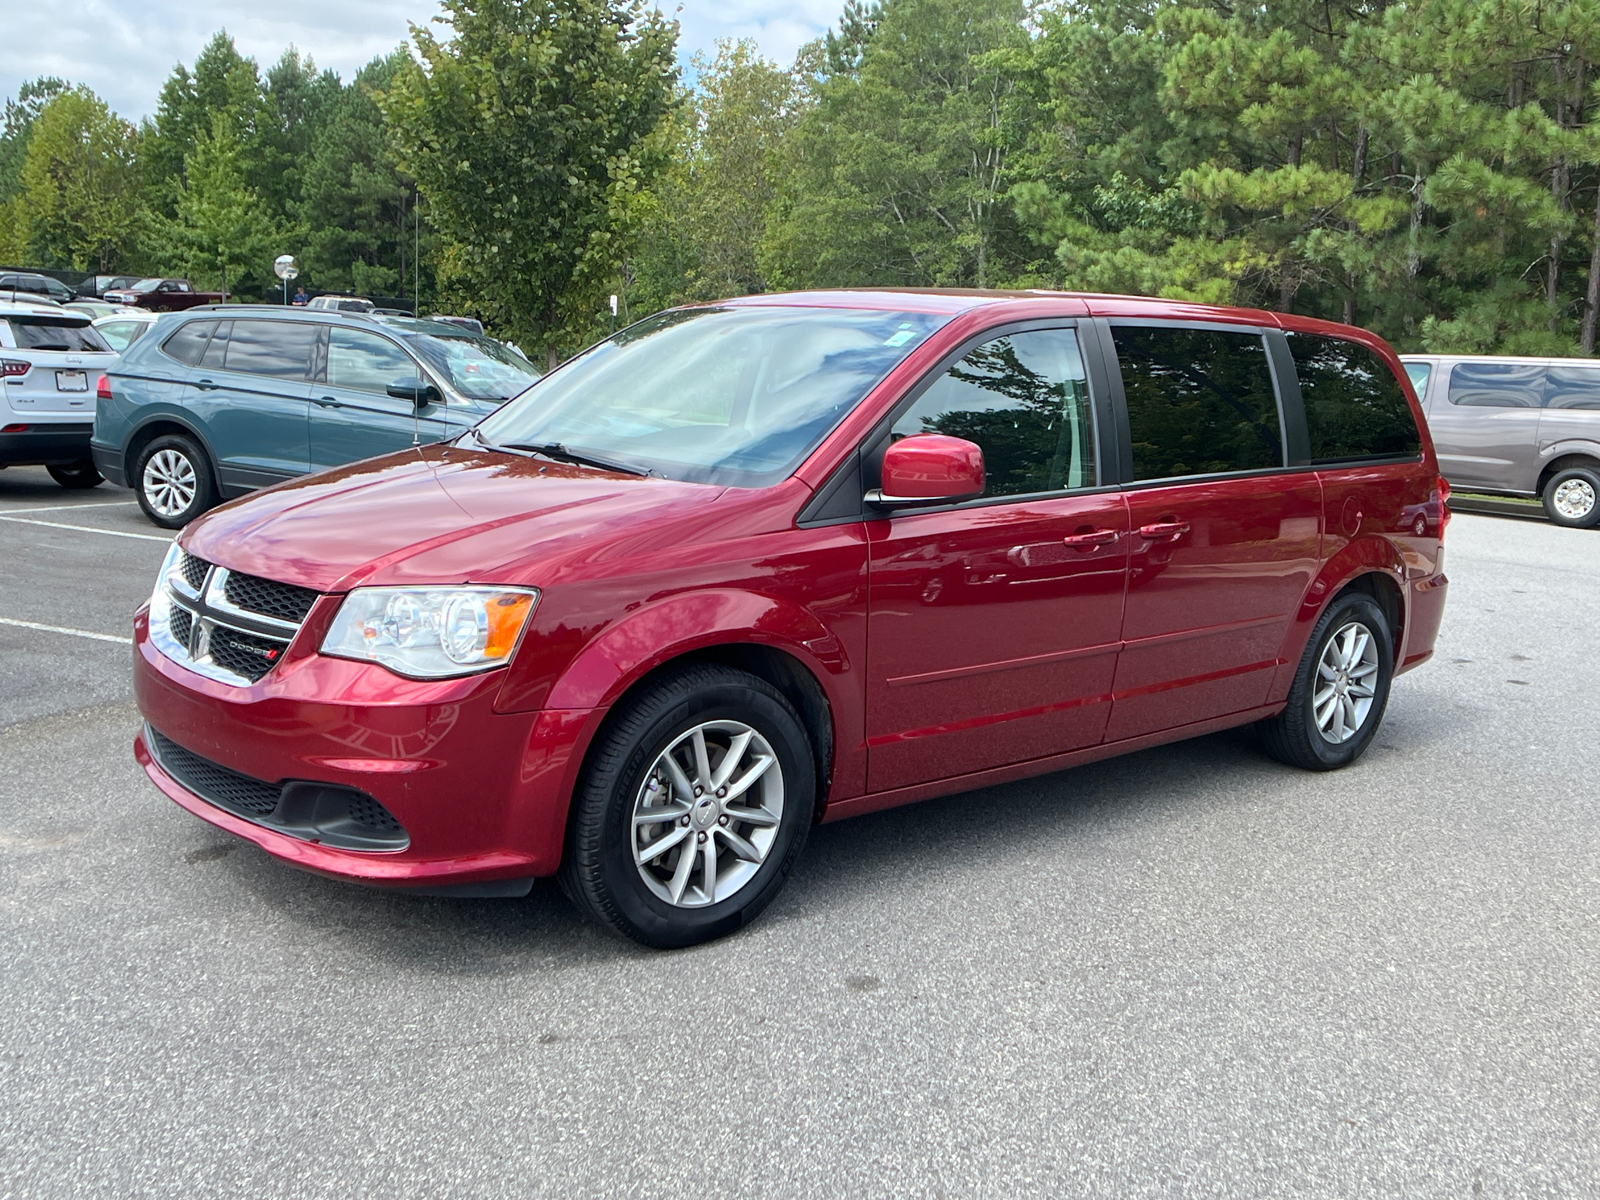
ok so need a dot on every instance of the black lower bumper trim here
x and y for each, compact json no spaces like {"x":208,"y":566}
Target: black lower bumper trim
{"x":43,"y":443}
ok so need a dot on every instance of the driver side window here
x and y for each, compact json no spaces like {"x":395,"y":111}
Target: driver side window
{"x":365,"y":362}
{"x":1024,"y":399}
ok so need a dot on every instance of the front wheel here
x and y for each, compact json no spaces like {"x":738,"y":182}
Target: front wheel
{"x":1572,"y":498}
{"x":693,"y":809}
{"x":75,"y":475}
{"x":1340,"y":690}
{"x":173,"y":481}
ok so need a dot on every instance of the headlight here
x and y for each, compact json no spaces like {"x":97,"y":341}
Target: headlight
{"x":430,"y":633}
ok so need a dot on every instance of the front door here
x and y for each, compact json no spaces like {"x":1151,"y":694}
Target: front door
{"x":993,"y":625}
{"x":1484,"y":417}
{"x":352,"y":414}
{"x":1224,"y":543}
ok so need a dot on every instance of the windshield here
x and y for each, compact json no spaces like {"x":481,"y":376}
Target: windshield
{"x":1419,"y":373}
{"x":477,"y":367}
{"x":734,"y":396}
{"x":145,"y":285}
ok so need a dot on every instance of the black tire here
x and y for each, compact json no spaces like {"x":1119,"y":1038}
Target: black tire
{"x":75,"y":475}
{"x":156,"y":503}
{"x":1293,"y":736}
{"x":599,"y":873}
{"x":1566,"y":493}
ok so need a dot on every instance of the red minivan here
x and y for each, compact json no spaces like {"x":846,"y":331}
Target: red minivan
{"x":748,"y":566}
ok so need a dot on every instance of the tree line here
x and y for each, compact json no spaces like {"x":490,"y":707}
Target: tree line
{"x":1429,"y":169}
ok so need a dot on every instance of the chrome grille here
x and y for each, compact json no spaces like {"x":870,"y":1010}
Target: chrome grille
{"x":225,"y":625}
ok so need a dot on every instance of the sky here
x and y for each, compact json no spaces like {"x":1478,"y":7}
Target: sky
{"x":124,"y":49}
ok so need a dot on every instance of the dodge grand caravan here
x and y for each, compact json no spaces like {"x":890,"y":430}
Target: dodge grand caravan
{"x":748,"y":566}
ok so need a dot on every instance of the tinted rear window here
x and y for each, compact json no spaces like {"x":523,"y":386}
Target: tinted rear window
{"x":281,"y":349}
{"x":1355,"y":407}
{"x":1200,"y":401}
{"x":1497,"y":385}
{"x":188,"y":344}
{"x":43,"y":333}
{"x":1573,"y":387}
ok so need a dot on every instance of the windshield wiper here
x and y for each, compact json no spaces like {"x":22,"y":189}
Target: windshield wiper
{"x":560,"y":453}
{"x":477,"y":436}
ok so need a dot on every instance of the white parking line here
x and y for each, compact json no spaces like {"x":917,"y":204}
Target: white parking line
{"x":83,"y":633}
{"x":143,"y":537}
{"x":17,"y":512}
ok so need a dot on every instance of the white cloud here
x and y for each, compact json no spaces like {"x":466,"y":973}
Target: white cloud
{"x":124,"y":50}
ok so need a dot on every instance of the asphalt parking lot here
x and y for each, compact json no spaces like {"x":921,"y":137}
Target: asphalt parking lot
{"x":1190,"y":972}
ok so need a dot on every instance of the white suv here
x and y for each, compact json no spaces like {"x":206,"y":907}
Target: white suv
{"x":50,"y":361}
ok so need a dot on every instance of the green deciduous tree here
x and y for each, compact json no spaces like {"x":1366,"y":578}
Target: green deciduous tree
{"x":535,"y":132}
{"x":79,"y":194}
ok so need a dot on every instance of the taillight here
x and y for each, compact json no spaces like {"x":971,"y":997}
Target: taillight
{"x":1444,"y":504}
{"x":13,"y":429}
{"x":10,"y":367}
{"x":102,"y":388}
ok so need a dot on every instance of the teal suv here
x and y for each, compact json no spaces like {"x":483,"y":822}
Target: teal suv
{"x":219,"y":401}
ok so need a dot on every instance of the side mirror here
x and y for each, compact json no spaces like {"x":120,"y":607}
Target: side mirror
{"x":929,"y":468}
{"x":415,"y":390}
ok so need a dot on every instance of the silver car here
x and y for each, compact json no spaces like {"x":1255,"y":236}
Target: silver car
{"x":1516,"y":426}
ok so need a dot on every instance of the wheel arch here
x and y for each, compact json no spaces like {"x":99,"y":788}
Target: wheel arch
{"x":155,"y":427}
{"x":1570,"y":458}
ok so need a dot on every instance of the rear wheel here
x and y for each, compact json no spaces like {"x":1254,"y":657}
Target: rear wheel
{"x":693,"y":809}
{"x":1572,"y":498}
{"x":1340,"y":690}
{"x":173,"y":481}
{"x":80,"y":474}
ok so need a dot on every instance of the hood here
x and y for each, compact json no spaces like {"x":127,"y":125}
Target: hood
{"x":441,"y":514}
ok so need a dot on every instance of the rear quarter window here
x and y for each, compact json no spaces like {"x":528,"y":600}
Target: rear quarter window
{"x":1355,"y":407}
{"x":188,"y":343}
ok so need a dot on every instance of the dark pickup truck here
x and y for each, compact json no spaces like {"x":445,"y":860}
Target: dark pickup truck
{"x":163,"y":295}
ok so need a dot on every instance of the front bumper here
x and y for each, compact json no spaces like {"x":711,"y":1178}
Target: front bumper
{"x":482,"y":796}
{"x":44,"y":442}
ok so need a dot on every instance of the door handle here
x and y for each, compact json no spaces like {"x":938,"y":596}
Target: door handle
{"x":326,"y":402}
{"x":1164,"y":529}
{"x":1091,"y":539}
{"x":205,"y":385}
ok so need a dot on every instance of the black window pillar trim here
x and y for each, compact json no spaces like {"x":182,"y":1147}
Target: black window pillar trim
{"x":1291,"y":403}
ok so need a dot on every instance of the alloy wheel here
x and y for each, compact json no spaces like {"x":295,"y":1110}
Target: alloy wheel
{"x":169,"y":482}
{"x":1347,"y":675}
{"x":707,"y":814}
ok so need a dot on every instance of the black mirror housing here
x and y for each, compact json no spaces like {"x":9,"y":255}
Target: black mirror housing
{"x":415,"y":390}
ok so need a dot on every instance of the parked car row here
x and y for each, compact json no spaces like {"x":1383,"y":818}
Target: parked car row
{"x":1516,"y":427}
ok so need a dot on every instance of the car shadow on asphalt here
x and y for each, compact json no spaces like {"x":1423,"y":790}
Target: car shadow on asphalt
{"x":864,"y":860}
